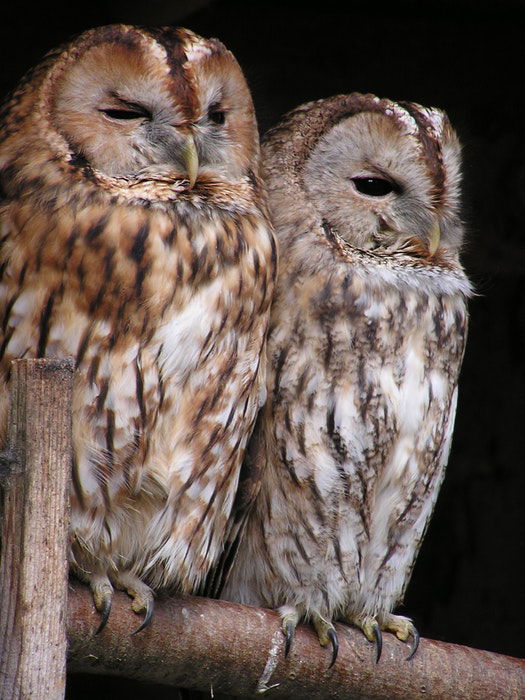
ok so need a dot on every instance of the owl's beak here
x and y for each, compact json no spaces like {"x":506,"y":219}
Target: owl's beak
{"x":434,"y":238}
{"x":191,"y":158}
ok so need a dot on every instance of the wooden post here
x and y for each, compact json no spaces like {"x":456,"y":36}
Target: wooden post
{"x":34,"y":476}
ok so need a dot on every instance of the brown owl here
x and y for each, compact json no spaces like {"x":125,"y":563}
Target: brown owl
{"x":135,"y":239}
{"x":366,"y":341}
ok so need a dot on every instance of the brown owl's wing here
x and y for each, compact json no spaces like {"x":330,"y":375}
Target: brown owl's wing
{"x":247,"y":491}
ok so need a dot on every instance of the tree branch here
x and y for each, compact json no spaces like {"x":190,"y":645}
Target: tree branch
{"x":202,"y":644}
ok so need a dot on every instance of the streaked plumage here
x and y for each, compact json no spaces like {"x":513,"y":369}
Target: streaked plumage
{"x":366,"y":340}
{"x":135,"y":238}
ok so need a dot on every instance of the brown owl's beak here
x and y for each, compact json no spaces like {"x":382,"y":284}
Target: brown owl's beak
{"x":191,"y":158}
{"x":434,"y":238}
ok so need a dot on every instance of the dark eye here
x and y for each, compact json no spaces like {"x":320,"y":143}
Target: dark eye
{"x":374,"y":186}
{"x":216,"y":115}
{"x":127,"y":113}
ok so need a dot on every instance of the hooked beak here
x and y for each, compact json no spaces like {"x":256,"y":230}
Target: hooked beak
{"x":434,"y":238}
{"x":191,"y":158}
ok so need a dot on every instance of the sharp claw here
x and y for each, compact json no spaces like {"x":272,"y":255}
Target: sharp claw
{"x":147,"y":618}
{"x":104,"y":615}
{"x":332,"y":636}
{"x":290,"y":629}
{"x":379,"y":642}
{"x":415,"y":644}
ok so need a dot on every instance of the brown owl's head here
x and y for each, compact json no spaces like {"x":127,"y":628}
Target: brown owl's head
{"x":145,"y":104}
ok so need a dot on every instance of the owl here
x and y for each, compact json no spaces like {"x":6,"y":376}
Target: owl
{"x":366,"y":340}
{"x":135,"y":238}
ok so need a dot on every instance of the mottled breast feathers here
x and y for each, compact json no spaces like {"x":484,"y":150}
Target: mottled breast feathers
{"x":135,"y":238}
{"x":367,"y":336}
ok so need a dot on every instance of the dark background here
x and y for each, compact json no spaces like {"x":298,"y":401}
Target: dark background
{"x":467,"y":586}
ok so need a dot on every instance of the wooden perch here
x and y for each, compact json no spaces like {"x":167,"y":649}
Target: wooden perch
{"x":202,"y":644}
{"x":35,"y":472}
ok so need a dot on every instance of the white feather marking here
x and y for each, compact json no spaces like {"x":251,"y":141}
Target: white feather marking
{"x":26,"y":303}
{"x":183,"y":462}
{"x":183,"y":335}
{"x":439,"y":385}
{"x":199,"y":493}
{"x":412,"y":397}
{"x":435,"y":117}
{"x":375,"y":309}
{"x":197,"y":49}
{"x":87,"y":475}
{"x":389,"y":387}
{"x":325,"y":475}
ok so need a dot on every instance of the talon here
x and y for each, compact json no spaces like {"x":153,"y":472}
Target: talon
{"x":372,"y":632}
{"x":379,"y":641}
{"x":141,"y":594}
{"x":147,"y":618}
{"x":415,"y":644}
{"x":289,"y":620}
{"x":104,"y":617}
{"x":289,"y":633}
{"x":332,"y":635}
{"x":102,"y":591}
{"x":403,"y":628}
{"x":327,"y":635}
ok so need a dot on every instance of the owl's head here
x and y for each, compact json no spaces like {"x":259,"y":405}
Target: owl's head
{"x":382,"y":175}
{"x":136,"y":103}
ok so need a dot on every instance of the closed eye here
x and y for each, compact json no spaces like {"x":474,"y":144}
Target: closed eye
{"x":127,"y":111}
{"x":375,"y":186}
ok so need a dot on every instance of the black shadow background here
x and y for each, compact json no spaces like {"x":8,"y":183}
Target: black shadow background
{"x":467,"y":586}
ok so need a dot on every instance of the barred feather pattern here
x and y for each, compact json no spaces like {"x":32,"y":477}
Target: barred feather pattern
{"x":158,"y":288}
{"x":366,"y":340}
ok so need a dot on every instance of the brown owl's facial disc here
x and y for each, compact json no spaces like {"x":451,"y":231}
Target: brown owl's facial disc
{"x":162,"y":104}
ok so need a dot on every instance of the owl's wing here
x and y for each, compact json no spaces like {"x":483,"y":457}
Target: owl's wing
{"x":247,"y":491}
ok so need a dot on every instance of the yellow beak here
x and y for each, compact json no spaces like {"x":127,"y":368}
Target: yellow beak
{"x":191,"y":159}
{"x":434,"y":238}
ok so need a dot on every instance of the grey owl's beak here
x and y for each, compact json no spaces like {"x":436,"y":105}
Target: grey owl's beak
{"x":191,"y":158}
{"x":434,"y":237}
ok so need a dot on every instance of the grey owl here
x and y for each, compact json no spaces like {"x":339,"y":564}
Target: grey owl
{"x":135,"y":238}
{"x":366,"y":341}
